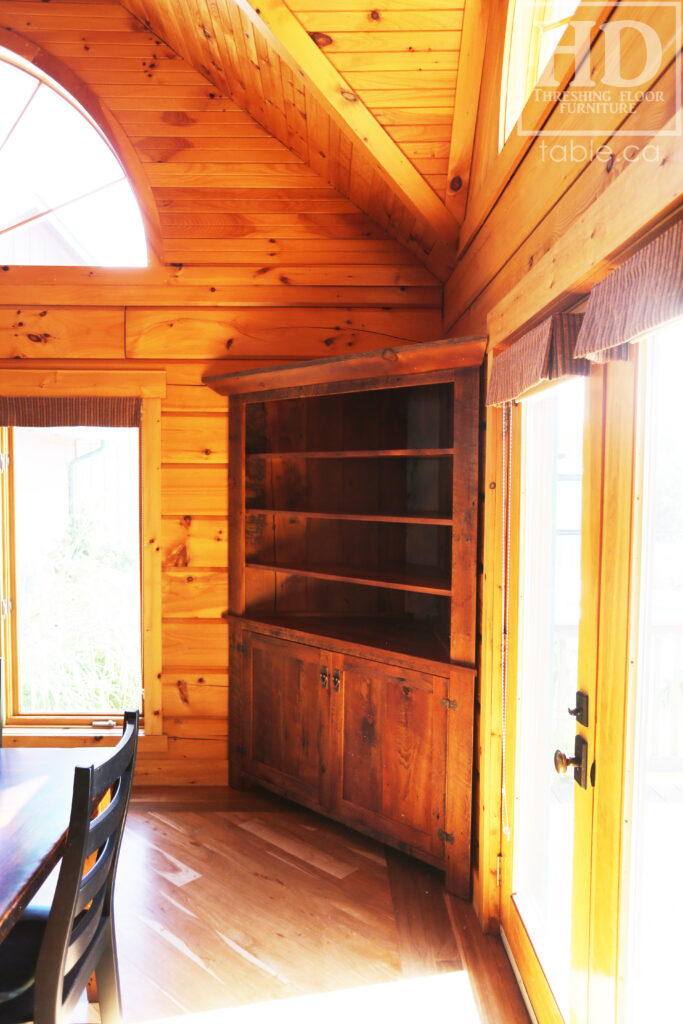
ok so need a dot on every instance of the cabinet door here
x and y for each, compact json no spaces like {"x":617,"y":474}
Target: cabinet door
{"x":285,"y":716}
{"x":390,"y":724}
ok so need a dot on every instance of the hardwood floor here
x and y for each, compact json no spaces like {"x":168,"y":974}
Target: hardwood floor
{"x":245,"y":907}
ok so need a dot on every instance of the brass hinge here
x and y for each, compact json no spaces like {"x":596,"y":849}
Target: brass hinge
{"x":445,"y":837}
{"x":4,"y":461}
{"x":499,"y":869}
{"x":450,"y":705}
{"x":6,"y":606}
{"x":241,"y":648}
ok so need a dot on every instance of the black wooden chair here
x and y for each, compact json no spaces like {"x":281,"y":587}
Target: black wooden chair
{"x":48,"y":957}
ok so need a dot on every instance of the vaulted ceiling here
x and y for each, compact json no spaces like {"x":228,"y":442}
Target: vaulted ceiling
{"x":265,"y":129}
{"x":381,"y":102}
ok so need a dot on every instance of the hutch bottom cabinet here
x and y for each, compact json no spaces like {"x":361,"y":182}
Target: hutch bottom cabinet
{"x":380,"y":747}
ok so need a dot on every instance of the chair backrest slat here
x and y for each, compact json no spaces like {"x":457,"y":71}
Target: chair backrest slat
{"x":106,"y":821}
{"x":96,"y":878}
{"x":84,"y":932}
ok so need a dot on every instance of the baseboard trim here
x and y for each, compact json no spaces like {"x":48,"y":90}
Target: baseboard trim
{"x":518,"y":976}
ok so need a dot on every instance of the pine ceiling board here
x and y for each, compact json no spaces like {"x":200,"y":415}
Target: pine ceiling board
{"x":295,"y":111}
{"x":237,"y":200}
{"x":392,"y":117}
{"x":407,"y":41}
{"x":268,"y":251}
{"x":418,"y":19}
{"x":269,"y":63}
{"x":106,"y":45}
{"x":383,"y":5}
{"x":412,"y":61}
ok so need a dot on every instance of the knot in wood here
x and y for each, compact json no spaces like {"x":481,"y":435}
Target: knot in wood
{"x":456,"y":183}
{"x":321,"y":38}
{"x":350,"y":96}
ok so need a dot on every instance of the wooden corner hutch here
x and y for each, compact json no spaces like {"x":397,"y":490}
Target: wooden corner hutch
{"x":353,"y":496}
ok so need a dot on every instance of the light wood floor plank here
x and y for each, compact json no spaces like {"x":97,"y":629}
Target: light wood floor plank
{"x":241,"y":906}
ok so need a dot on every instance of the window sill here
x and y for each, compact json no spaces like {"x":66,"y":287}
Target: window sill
{"x":75,"y":736}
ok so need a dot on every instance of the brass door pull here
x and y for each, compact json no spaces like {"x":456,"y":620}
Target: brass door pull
{"x":562,"y":762}
{"x":579,"y":762}
{"x":323,"y":678}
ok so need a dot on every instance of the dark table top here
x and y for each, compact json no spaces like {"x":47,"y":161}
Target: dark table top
{"x":36,"y":787}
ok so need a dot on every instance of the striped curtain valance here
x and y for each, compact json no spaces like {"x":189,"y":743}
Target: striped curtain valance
{"x":545,"y":353}
{"x":29,"y":411}
{"x":644,"y":293}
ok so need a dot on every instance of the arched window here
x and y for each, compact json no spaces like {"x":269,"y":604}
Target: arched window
{"x":534,"y":28}
{"x":64,"y":195}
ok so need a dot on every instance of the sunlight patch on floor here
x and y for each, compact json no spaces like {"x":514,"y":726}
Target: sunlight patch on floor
{"x":442,"y":996}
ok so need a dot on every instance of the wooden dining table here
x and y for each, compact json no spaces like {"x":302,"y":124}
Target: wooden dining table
{"x":36,"y":788}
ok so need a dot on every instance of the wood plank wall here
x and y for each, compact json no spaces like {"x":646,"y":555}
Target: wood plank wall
{"x":261,"y":261}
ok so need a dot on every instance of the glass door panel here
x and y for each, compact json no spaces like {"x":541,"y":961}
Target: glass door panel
{"x":549,"y":610}
{"x":655,"y":899}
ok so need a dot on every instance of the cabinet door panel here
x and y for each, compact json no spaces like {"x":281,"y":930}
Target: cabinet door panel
{"x":288,"y":709}
{"x":392,"y":762}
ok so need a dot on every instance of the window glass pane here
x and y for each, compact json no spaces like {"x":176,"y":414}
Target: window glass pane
{"x":550,"y":596}
{"x":534,"y":30}
{"x":77,"y":551}
{"x":55,"y":155}
{"x":48,"y":121}
{"x":84,"y":233}
{"x":656,"y":904}
{"x":16,"y":88}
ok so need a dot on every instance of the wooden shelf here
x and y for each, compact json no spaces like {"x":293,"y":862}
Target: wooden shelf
{"x":399,"y":634}
{"x":411,"y":518}
{"x":413,"y":579}
{"x":364,"y":453}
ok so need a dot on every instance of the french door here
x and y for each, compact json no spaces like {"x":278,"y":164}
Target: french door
{"x":550,"y":700}
{"x":593,"y":754}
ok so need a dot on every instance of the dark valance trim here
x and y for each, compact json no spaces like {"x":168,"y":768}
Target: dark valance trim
{"x":69,"y":412}
{"x":644,"y":293}
{"x":545,"y":353}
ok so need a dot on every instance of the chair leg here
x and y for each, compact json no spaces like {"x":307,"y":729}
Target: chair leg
{"x":107,"y":973}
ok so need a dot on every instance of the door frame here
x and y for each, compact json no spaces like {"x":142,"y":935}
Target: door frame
{"x":612,"y":464}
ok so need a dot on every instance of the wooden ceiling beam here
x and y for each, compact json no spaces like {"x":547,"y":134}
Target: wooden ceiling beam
{"x":467,"y":92}
{"x":289,"y":38}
